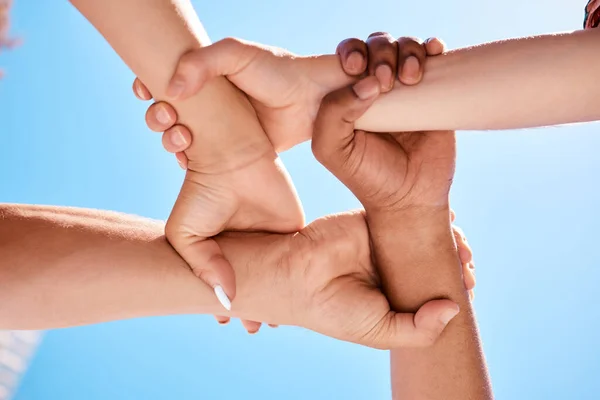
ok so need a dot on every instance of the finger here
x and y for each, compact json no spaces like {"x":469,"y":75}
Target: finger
{"x":411,"y":59}
{"x":160,"y":116}
{"x":464,"y":250}
{"x":177,"y":139}
{"x":434,"y":46}
{"x":141,"y":91}
{"x":225,"y":57}
{"x":417,"y":330}
{"x":353,"y":56}
{"x":452,"y":215}
{"x":251,"y":327}
{"x":469,"y":276}
{"x":334,"y":124}
{"x":222,"y":320}
{"x":207,"y":262}
{"x":182,"y":159}
{"x":383,"y":58}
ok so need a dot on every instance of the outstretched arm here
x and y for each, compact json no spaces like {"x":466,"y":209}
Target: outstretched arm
{"x":519,"y":83}
{"x":67,"y":266}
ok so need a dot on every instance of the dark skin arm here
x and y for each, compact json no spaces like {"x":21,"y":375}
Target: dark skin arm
{"x":403,"y":181}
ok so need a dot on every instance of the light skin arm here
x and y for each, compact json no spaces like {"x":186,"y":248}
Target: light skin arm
{"x":151,"y":36}
{"x":520,"y":83}
{"x":67,"y":266}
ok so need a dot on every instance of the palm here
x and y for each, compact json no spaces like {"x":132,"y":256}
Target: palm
{"x":237,"y":200}
{"x":413,"y":168}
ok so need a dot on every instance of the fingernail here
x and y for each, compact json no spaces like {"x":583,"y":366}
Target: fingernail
{"x":447,"y":315}
{"x":252,"y":332}
{"x":175,"y":88}
{"x":162,"y":116}
{"x":354,"y":62}
{"x":410,"y":70}
{"x":177,"y":138}
{"x":385,"y":76}
{"x":139,"y":92}
{"x":222,"y":297}
{"x":366,"y":89}
{"x":223,"y":322}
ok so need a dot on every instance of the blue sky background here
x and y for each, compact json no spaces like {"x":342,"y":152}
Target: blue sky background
{"x":73,"y":134}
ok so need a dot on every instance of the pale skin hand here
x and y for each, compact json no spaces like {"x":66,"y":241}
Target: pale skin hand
{"x":66,"y":266}
{"x":403,"y":179}
{"x":235,"y":181}
{"x":284,"y":89}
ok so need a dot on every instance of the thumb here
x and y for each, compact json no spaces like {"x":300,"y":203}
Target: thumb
{"x":195,"y":68}
{"x":208,"y":263}
{"x":334,"y":125}
{"x":420,"y":329}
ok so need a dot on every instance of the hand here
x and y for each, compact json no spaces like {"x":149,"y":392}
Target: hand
{"x":285,"y":90}
{"x":325,"y":281}
{"x":230,"y":185}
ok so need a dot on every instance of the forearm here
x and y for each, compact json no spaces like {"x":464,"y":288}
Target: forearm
{"x":151,"y":36}
{"x":520,"y":83}
{"x":418,"y":262}
{"x":62,"y":267}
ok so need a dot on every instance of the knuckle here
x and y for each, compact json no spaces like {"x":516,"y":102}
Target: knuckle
{"x":230,"y":41}
{"x":380,"y":35}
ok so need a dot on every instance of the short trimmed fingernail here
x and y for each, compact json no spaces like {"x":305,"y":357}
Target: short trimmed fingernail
{"x":366,"y":89}
{"x":162,"y":116}
{"x":223,"y":322}
{"x":139,"y":92}
{"x":177,"y":138}
{"x":222,"y":297}
{"x":354,"y":62}
{"x":410,"y":69}
{"x":175,"y":88}
{"x":384,"y":75}
{"x":253,"y":332}
{"x":449,"y":314}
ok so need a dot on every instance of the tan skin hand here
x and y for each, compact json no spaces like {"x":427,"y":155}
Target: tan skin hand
{"x":326,"y":281}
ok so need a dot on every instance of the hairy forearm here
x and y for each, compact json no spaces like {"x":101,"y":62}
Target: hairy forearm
{"x":519,"y":83}
{"x":418,"y":261}
{"x":151,"y":36}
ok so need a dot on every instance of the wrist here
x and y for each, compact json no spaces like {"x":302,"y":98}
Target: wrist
{"x":260,"y":264}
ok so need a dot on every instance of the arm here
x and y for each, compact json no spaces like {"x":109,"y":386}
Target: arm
{"x":403,"y":181}
{"x":151,"y":36}
{"x":64,"y":266}
{"x":519,"y":83}
{"x":454,"y":367}
{"x":230,"y":151}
